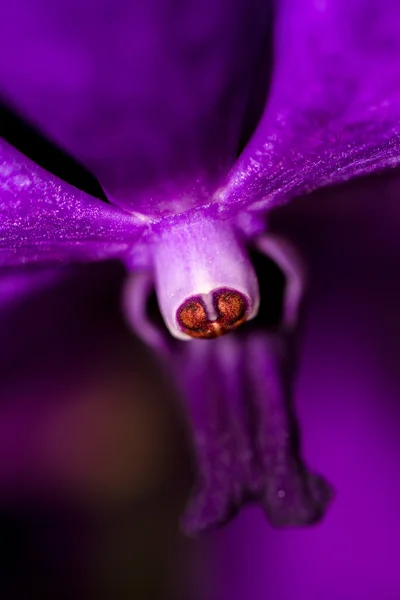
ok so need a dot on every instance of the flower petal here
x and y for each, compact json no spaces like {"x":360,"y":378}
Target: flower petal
{"x":334,"y":106}
{"x":150,"y":96}
{"x":244,"y":433}
{"x":43,"y":219}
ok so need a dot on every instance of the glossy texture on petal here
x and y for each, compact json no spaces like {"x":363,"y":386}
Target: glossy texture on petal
{"x":334,"y":107}
{"x":152,"y":100}
{"x":149,"y":96}
{"x":43,"y":219}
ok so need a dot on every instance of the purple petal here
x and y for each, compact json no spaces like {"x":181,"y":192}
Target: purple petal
{"x":334,"y":106}
{"x":42,"y":219}
{"x":149,"y":96}
{"x":244,"y":433}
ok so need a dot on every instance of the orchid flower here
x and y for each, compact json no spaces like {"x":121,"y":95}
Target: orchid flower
{"x":197,"y":119}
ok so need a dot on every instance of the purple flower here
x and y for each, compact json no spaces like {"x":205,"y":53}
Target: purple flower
{"x":197,"y":119}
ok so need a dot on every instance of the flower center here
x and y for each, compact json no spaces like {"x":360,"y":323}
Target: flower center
{"x":204,"y":279}
{"x":228,"y":310}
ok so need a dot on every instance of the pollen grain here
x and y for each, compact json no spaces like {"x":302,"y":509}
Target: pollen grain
{"x":230,"y":306}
